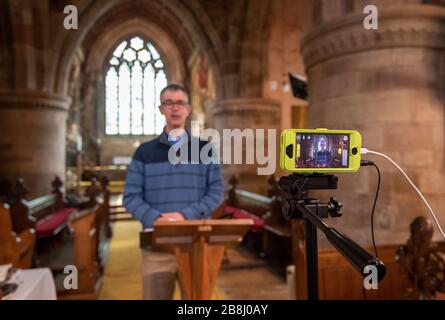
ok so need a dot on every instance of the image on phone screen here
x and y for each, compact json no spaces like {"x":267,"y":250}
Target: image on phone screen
{"x":315,"y":150}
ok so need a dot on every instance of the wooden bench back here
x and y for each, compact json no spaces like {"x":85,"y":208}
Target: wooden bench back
{"x":423,"y":261}
{"x":7,"y":235}
{"x":266,"y":207}
{"x":25,"y":212}
{"x":114,"y":174}
{"x":339,"y":280}
{"x":86,"y":248}
{"x":42,"y":206}
{"x":15,"y":248}
{"x":246,"y":200}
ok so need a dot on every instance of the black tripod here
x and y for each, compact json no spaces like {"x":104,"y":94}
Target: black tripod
{"x":296,"y":205}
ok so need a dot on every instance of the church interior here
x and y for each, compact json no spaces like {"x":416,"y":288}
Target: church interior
{"x":84,"y":77}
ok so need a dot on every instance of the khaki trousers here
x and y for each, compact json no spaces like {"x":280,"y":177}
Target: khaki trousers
{"x":159,"y":273}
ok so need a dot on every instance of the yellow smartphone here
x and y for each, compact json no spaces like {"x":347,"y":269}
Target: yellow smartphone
{"x":320,"y":150}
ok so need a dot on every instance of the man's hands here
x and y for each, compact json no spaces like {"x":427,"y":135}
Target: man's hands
{"x":171,"y":216}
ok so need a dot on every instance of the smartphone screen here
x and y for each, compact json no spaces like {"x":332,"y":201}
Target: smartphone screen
{"x":315,"y":150}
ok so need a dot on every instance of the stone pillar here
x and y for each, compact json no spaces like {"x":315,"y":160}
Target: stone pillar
{"x":32,"y":139}
{"x":249,"y":113}
{"x":89,"y":119}
{"x":388,"y":84}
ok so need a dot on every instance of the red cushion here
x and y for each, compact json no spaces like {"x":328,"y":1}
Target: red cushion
{"x":51,"y":222}
{"x":237,"y":213}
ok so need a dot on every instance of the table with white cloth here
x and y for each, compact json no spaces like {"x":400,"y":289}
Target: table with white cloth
{"x":33,"y":284}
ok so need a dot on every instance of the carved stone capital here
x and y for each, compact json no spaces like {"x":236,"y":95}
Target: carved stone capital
{"x":33,"y":100}
{"x":399,"y":26}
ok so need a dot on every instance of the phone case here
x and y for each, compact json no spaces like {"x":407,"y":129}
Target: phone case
{"x":289,"y":150}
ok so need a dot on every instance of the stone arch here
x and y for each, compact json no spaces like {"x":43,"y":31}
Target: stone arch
{"x":103,"y":46}
{"x":173,"y":15}
{"x":98,"y":47}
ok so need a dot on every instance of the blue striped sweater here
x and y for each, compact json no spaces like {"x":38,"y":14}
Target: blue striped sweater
{"x":154,"y":186}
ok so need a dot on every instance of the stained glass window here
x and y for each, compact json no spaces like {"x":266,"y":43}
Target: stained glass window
{"x":134,"y":78}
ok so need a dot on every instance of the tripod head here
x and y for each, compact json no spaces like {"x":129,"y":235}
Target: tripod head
{"x":297,"y":184}
{"x":295,"y":187}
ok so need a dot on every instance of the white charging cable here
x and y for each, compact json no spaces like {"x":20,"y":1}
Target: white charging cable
{"x":433,"y":215}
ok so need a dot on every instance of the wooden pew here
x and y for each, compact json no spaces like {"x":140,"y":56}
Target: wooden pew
{"x":100,"y":194}
{"x":17,"y":249}
{"x":83,"y":225}
{"x":98,"y":197}
{"x":115,"y":175}
{"x":37,"y":213}
{"x":272,"y":235}
{"x":423,"y":262}
{"x":104,"y":215}
{"x":339,"y":280}
{"x":5,"y":189}
{"x":47,"y":214}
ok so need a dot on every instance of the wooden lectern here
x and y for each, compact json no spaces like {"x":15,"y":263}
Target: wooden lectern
{"x":199,"y":248}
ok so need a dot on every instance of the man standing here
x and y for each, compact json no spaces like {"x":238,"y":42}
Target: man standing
{"x":155,"y":189}
{"x":323,"y":157}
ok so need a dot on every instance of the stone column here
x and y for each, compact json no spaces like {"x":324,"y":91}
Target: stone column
{"x":90,"y":121}
{"x":249,"y":113}
{"x":32,"y":138}
{"x":388,"y":84}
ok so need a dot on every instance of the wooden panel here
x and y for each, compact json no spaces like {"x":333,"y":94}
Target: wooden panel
{"x":15,"y":249}
{"x":85,"y":249}
{"x":339,"y":280}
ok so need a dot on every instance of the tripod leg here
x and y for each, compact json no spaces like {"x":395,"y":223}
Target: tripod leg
{"x":311,"y":260}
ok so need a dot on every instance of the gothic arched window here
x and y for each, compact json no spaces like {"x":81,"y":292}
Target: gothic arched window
{"x":135,"y":76}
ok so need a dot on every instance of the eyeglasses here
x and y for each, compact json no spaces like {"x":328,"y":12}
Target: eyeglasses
{"x":170,"y":103}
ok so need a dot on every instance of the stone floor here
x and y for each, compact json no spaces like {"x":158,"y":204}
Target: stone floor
{"x":248,"y":277}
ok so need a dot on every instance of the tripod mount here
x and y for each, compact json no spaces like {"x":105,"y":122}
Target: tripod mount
{"x":296,"y":205}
